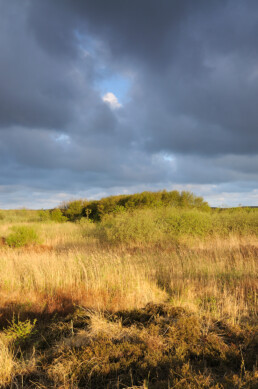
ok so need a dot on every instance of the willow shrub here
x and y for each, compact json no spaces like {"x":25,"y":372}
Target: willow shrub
{"x":124,"y":227}
{"x":239,"y":221}
{"x":154,"y":225}
{"x":166,"y":224}
{"x":178,"y":222}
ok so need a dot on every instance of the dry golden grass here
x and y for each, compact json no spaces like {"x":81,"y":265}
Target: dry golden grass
{"x":6,"y":363}
{"x":214,"y":276}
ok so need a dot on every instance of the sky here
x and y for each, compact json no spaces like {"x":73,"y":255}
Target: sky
{"x":113,"y":97}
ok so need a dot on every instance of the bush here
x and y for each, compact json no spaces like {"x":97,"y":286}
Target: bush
{"x":167,"y":224}
{"x":185,"y":222}
{"x":237,"y":221}
{"x":137,"y":226}
{"x":98,"y":209}
{"x":44,"y":215}
{"x":56,"y":215}
{"x":18,"y":331}
{"x":22,"y":236}
{"x":74,"y":209}
{"x":154,"y":225}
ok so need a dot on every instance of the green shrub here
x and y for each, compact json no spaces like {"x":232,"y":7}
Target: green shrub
{"x":238,"y":221}
{"x":84,"y":221}
{"x":56,"y":215}
{"x":166,"y":224}
{"x":22,"y":236}
{"x":137,"y":226}
{"x":44,"y":215}
{"x":154,"y":225}
{"x":98,"y":209}
{"x":185,"y":222}
{"x":74,"y":209}
{"x":19,"y":331}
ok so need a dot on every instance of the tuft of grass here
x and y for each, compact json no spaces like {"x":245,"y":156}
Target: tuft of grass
{"x":22,"y":236}
{"x":7,"y":364}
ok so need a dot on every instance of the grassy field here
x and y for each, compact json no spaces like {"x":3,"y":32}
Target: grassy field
{"x":151,"y":298}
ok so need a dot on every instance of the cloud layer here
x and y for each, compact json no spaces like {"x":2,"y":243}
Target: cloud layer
{"x":186,"y":119}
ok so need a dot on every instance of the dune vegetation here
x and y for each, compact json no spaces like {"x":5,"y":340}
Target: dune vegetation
{"x":153,"y":290}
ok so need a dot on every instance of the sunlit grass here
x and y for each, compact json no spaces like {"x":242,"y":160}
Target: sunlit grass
{"x":103,"y":269}
{"x":73,"y":262}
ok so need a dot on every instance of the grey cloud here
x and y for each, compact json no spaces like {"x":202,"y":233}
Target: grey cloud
{"x":194,"y":87}
{"x":39,"y":89}
{"x":223,"y":169}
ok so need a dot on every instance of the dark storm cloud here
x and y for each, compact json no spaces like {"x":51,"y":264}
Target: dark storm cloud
{"x":35,"y":89}
{"x":201,"y":95}
{"x":196,"y":69}
{"x":190,"y":116}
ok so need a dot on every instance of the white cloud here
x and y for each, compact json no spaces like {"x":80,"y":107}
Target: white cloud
{"x":111,"y":99}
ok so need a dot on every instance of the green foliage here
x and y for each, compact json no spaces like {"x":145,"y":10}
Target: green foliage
{"x":138,"y":226}
{"x":19,"y":331}
{"x":22,"y":236}
{"x":98,"y":209}
{"x":185,"y":222}
{"x":165,"y":224}
{"x":44,"y":215}
{"x":74,"y":209}
{"x":145,"y":200}
{"x":236,"y":220}
{"x":19,"y":215}
{"x":119,"y":209}
{"x":154,"y":225}
{"x":84,"y":221}
{"x":57,"y":216}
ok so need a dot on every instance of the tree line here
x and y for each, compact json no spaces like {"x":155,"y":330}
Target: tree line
{"x":95,"y":210}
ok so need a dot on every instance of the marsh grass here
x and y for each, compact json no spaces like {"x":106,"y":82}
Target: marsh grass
{"x":89,"y":287}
